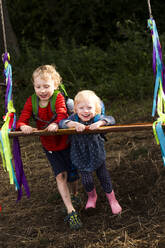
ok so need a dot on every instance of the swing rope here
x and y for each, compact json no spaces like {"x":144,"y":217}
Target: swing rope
{"x":3,"y":27}
{"x":149,"y":8}
{"x":3,"y":33}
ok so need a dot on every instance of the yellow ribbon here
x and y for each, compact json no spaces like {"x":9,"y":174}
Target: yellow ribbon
{"x":6,"y":150}
{"x":160,"y":111}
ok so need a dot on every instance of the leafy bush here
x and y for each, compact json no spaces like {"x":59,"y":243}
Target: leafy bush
{"x":123,"y":70}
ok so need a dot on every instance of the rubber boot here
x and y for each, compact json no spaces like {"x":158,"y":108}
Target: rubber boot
{"x":116,"y":208}
{"x":92,"y":198}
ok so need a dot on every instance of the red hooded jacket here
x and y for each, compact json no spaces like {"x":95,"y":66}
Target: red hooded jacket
{"x":52,"y":142}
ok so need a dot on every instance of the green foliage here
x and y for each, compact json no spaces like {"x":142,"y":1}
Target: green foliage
{"x":123,"y":70}
{"x":132,"y":57}
{"x":87,"y":22}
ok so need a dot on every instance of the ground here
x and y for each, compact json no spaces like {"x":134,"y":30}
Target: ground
{"x":138,"y":176}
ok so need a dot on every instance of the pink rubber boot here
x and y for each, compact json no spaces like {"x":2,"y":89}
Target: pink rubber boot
{"x":116,"y":208}
{"x":92,"y":198}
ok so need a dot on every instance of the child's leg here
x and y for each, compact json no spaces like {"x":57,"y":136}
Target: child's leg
{"x":72,"y":217}
{"x":59,"y":161}
{"x":64,"y":191}
{"x":105,"y":180}
{"x":87,"y":181}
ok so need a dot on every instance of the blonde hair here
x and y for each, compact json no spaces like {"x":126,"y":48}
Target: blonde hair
{"x":46,"y":71}
{"x":86,"y":95}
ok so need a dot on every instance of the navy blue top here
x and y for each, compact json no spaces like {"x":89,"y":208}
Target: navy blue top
{"x":87,"y":150}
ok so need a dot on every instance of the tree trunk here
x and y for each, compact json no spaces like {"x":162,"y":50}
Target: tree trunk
{"x":8,"y":33}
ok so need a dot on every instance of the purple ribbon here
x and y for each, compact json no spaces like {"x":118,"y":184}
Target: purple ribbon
{"x":19,"y":169}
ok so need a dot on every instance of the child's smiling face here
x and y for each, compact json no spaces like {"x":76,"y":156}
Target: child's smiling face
{"x":85,"y":110}
{"x":44,"y":88}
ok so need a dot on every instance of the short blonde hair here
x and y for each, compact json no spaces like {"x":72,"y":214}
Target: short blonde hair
{"x":46,"y":71}
{"x":85,"y":95}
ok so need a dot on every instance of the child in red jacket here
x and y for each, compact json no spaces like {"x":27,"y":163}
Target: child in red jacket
{"x":45,"y":80}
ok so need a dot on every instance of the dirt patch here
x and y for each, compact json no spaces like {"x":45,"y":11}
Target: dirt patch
{"x":135,"y":164}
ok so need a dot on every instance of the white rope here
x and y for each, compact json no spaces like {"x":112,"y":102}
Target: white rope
{"x":149,"y":8}
{"x":3,"y":26}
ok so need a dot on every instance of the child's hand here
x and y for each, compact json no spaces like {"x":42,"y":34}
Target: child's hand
{"x":97,"y":124}
{"x":79,"y":127}
{"x":27,"y":129}
{"x":53,"y":127}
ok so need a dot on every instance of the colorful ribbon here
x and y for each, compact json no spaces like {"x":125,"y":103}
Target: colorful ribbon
{"x":159,"y":90}
{"x":9,"y":124}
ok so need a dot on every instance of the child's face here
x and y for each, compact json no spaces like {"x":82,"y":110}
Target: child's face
{"x":85,"y":110}
{"x":44,"y":88}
